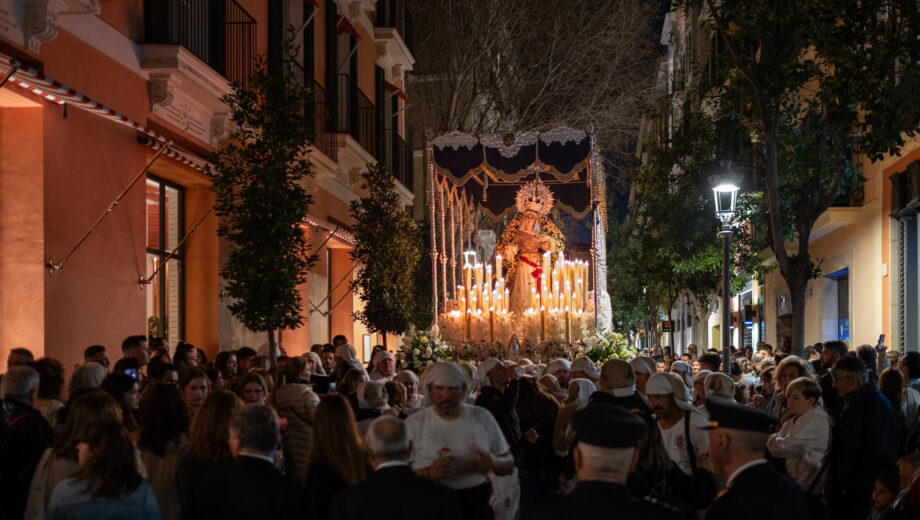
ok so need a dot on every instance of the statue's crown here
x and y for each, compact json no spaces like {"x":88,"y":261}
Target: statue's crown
{"x":534,"y":196}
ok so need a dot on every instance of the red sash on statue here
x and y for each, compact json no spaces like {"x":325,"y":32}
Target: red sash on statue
{"x":536,"y":273}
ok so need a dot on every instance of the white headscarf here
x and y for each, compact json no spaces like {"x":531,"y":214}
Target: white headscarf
{"x":347,"y":352}
{"x":584,"y":388}
{"x":643,"y":364}
{"x":684,"y":371}
{"x":442,"y":373}
{"x":483,"y":369}
{"x":663,"y":384}
{"x":318,"y":369}
{"x":584,"y":364}
{"x":377,"y":386}
{"x":718,"y":384}
{"x":379,"y":356}
{"x":558,"y":364}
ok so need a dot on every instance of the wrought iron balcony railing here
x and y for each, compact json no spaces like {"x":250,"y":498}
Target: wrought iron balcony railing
{"x":220,"y":33}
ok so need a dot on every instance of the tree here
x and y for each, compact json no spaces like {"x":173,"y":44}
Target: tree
{"x":580,"y":63}
{"x":387,"y":254}
{"x":668,"y":244}
{"x":258,"y":181}
{"x":818,"y":83}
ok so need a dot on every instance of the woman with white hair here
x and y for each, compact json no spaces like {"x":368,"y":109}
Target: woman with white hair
{"x":580,"y":391}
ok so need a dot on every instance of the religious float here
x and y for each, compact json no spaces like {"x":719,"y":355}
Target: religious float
{"x":531,"y":294}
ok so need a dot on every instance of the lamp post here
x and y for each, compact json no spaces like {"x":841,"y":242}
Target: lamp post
{"x":726,"y":195}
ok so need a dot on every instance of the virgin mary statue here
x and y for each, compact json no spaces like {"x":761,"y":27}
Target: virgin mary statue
{"x":529,"y":234}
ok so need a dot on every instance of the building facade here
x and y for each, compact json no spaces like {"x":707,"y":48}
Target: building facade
{"x":112,"y":108}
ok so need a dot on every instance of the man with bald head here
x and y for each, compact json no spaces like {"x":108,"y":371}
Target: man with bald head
{"x":382,"y":495}
{"x":754,"y":489}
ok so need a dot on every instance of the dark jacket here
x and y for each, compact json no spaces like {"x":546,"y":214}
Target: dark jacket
{"x":630,"y":402}
{"x":538,"y":411}
{"x":760,"y":492}
{"x":323,"y":483}
{"x":686,"y":492}
{"x":502,"y":405}
{"x":248,"y":488}
{"x":833,"y":403}
{"x":188,"y":472}
{"x":865,"y":443}
{"x":596,"y":500}
{"x":24,"y":436}
{"x":395,"y":493}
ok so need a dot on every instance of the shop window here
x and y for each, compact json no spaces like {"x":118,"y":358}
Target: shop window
{"x":165,"y":296}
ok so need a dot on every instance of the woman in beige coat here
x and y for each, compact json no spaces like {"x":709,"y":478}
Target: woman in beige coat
{"x":297,"y":402}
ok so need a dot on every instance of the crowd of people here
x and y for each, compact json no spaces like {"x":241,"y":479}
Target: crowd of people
{"x":160,"y":434}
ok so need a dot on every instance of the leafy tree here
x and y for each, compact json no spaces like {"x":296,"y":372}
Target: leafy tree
{"x":387,"y":253}
{"x":818,"y":82}
{"x":423,"y":315}
{"x":668,"y":243}
{"x":258,"y":181}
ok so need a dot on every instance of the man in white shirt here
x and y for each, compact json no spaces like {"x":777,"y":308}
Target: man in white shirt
{"x":458,"y":444}
{"x":679,"y":421}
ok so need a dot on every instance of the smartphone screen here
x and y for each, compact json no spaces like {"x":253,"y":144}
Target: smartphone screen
{"x":332,"y":387}
{"x":881,"y":342}
{"x":131,"y":372}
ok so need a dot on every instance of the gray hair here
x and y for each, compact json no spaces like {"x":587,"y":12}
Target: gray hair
{"x":257,"y":427}
{"x":613,"y":462}
{"x":850,"y":366}
{"x":19,"y":382}
{"x":388,"y":438}
{"x":87,"y":375}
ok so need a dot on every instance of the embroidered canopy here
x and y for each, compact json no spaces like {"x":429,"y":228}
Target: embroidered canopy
{"x":489,"y":170}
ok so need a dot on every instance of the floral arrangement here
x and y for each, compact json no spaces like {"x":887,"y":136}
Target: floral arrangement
{"x":420,"y":349}
{"x":607,"y":346}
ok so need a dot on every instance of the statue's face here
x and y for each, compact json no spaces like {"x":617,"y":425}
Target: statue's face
{"x":528,"y":221}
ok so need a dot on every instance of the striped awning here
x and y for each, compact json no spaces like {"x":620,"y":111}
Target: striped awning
{"x":45,"y":87}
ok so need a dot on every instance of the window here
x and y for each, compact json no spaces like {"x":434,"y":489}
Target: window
{"x":164,"y":231}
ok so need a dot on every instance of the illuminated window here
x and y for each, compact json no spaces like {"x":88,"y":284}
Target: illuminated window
{"x":164,"y":231}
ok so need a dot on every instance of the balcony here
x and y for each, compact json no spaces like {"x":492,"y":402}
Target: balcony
{"x":393,"y":14}
{"x":393,"y":36}
{"x":355,"y":114}
{"x":193,"y":51}
{"x":320,"y":114}
{"x":219,"y":33}
{"x":398,"y":158}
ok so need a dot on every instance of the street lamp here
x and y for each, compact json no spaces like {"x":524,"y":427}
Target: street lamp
{"x":726,"y":195}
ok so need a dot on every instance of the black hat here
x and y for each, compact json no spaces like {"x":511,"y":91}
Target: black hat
{"x":724,"y":413}
{"x":608,"y":426}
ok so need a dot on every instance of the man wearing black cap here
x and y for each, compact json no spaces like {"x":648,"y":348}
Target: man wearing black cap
{"x":605,"y":454}
{"x":754,"y":490}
